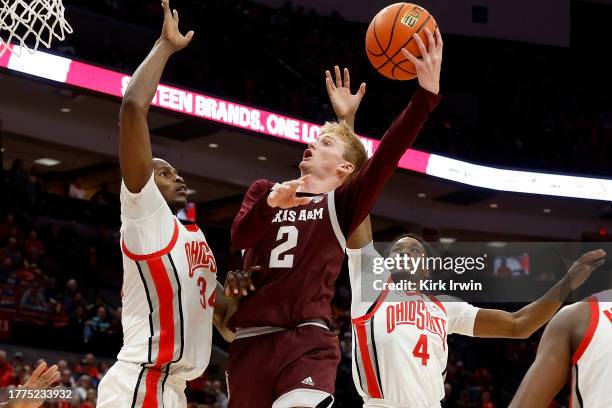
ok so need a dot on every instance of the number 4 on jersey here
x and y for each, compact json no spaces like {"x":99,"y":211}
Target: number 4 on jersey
{"x":420,"y":349}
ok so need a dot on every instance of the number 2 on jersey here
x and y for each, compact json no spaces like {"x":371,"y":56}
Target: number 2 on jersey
{"x":420,"y":349}
{"x":277,"y":259}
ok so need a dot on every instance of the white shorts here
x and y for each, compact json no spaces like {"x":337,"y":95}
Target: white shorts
{"x":381,"y":403}
{"x":304,"y":397}
{"x":128,"y":385}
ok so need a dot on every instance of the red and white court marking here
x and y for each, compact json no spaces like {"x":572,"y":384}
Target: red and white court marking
{"x":67,"y":71}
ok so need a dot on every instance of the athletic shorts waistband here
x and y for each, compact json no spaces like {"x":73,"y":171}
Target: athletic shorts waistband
{"x":382,"y":403}
{"x":244,"y":332}
{"x":173,"y":380}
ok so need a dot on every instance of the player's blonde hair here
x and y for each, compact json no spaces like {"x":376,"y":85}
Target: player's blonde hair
{"x":354,"y":151}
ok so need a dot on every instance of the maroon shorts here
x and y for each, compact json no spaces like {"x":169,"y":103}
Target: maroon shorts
{"x":263,"y":368}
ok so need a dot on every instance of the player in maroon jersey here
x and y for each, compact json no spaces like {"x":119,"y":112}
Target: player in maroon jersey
{"x":284,"y":355}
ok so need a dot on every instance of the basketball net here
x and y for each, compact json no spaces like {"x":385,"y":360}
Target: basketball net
{"x":29,"y":23}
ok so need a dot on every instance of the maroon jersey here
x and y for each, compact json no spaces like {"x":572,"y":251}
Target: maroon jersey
{"x":301,"y":250}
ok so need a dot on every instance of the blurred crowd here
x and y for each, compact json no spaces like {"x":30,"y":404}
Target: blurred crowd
{"x":84,"y":376}
{"x":508,"y":104}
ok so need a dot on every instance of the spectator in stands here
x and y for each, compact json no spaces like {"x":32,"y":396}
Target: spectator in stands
{"x":6,"y":268}
{"x":92,"y":397}
{"x":34,"y":248}
{"x":464,"y":400}
{"x":72,"y":298}
{"x":17,"y":174}
{"x":62,"y":365}
{"x":18,"y":360}
{"x":66,"y":379}
{"x":103,"y":196}
{"x":94,"y":308}
{"x":97,"y":330}
{"x":217,"y":389}
{"x":33,"y":299}
{"x":12,"y":251}
{"x":486,"y":400}
{"x":76,"y":326}
{"x":6,"y":370}
{"x":6,"y":226}
{"x":83,"y":385}
{"x":103,"y":368}
{"x":88,"y":367}
{"x":448,"y":392}
{"x":75,"y":190}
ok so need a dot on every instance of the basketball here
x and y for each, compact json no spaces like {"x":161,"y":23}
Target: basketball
{"x":391,"y":30}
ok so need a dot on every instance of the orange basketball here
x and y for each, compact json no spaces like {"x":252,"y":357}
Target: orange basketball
{"x":391,"y":30}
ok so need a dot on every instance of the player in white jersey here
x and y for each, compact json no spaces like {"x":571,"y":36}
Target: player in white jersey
{"x":400,"y":338}
{"x":170,"y":294}
{"x":576,"y":345}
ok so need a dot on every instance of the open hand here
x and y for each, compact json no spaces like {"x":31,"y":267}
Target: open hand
{"x":428,"y":67}
{"x":41,"y":379}
{"x":581,"y":269}
{"x":238,"y":283}
{"x":170,"y":30}
{"x":284,"y":195}
{"x":344,"y":102}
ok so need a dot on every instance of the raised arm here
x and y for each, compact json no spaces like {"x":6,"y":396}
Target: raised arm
{"x":362,"y":235}
{"x":135,"y":155}
{"x":524,"y":322}
{"x":354,"y":199}
{"x":550,"y":370}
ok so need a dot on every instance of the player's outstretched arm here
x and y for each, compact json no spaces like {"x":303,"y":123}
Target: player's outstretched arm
{"x":362,"y":235}
{"x":549,"y":371}
{"x":135,"y":155}
{"x":344,"y":102}
{"x":237,"y":285}
{"x":524,"y":322}
{"x":224,"y":309}
{"x":355,"y":199}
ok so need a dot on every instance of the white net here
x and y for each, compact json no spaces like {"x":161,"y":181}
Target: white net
{"x":29,"y":23}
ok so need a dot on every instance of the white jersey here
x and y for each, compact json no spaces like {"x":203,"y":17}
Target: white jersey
{"x":400,"y":345}
{"x":592,"y":361}
{"x":169,"y":286}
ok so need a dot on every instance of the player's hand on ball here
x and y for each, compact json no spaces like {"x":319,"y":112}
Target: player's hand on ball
{"x":170,"y":30}
{"x":284,"y":195}
{"x":41,"y":379}
{"x":581,"y":269}
{"x":344,"y":102}
{"x":238,"y":283}
{"x":429,"y":65}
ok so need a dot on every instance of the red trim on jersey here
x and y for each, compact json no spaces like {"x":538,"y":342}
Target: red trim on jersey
{"x":151,"y":380}
{"x":588,"y":336}
{"x":191,"y":227}
{"x":379,"y":302}
{"x":373,"y":389}
{"x":162,"y":252}
{"x":608,"y":314}
{"x":437,"y":302}
{"x":166,"y":311}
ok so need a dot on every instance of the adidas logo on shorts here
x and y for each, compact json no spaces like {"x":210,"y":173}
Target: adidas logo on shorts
{"x":308,"y":381}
